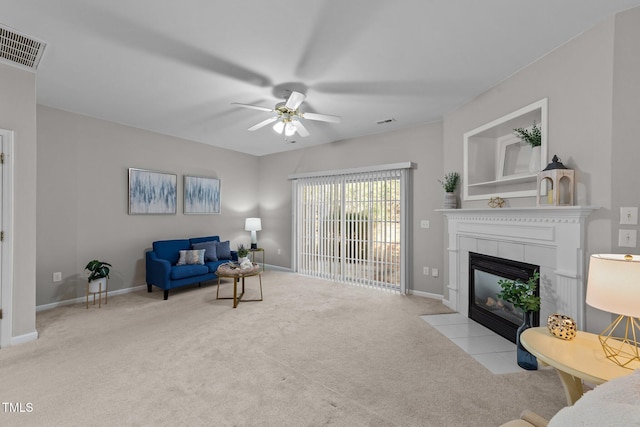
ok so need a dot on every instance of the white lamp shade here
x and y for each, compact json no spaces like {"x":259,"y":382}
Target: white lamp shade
{"x":614,"y":284}
{"x":252,"y":224}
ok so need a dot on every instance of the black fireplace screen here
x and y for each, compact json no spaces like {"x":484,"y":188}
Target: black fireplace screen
{"x":484,"y":306}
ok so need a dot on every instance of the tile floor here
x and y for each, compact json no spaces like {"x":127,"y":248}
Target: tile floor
{"x":494,"y":352}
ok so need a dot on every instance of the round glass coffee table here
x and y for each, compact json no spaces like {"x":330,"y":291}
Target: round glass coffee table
{"x":233,"y":271}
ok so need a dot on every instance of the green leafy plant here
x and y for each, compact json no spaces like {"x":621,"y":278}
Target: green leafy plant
{"x":532,"y":137}
{"x":521,"y":294}
{"x":242,"y":251}
{"x":97,"y":269}
{"x":450,"y":182}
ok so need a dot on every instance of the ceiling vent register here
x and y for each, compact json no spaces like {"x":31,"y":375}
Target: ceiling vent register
{"x":19,"y":49}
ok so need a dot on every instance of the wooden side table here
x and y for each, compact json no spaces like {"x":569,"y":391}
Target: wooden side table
{"x":253,"y":255}
{"x":582,"y":358}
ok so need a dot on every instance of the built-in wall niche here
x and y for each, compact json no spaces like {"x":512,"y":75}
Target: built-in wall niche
{"x":497,"y":163}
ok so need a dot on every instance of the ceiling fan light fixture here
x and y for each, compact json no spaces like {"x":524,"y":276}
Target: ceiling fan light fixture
{"x":279,"y":127}
{"x":289,"y":129}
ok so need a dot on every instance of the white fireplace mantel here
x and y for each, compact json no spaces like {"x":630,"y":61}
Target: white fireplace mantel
{"x":551,"y":237}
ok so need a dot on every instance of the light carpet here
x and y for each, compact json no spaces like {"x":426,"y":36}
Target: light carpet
{"x":313,"y":353}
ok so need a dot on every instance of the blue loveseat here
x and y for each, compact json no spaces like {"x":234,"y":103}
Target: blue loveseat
{"x":166,"y":268}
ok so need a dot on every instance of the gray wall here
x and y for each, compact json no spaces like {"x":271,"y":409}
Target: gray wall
{"x":83,"y":203}
{"x":592,"y":86}
{"x":625,"y":153}
{"x":18,"y":113}
{"x":421,"y":145}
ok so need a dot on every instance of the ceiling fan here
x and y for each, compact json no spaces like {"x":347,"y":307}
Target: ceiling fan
{"x":288,"y":116}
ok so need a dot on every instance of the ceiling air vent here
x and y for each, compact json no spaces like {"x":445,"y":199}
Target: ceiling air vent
{"x":19,"y":49}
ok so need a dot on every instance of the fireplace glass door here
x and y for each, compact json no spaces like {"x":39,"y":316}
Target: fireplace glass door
{"x":485,"y":273}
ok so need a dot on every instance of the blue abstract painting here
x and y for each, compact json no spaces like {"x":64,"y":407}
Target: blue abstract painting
{"x":201,"y":195}
{"x":152,"y":192}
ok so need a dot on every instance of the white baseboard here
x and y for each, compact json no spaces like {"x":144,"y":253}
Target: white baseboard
{"x":276,"y":267}
{"x":21,"y":339}
{"x":425,"y":294}
{"x":84,"y":298}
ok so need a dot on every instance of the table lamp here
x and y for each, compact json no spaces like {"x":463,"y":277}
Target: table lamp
{"x":614,"y":286}
{"x":253,"y":225}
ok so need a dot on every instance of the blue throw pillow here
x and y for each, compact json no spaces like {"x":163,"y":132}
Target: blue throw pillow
{"x":210,"y":253}
{"x":223,"y":250}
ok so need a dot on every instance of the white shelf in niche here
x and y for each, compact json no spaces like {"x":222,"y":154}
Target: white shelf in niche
{"x":493,"y":157}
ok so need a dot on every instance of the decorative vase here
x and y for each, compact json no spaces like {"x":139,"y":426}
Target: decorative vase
{"x":98,"y":285}
{"x":534,"y":160}
{"x":242,"y":259}
{"x":450,"y":201}
{"x":526,"y":360}
{"x":561,"y":326}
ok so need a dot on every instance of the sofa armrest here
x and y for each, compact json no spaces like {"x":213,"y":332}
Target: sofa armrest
{"x":158,"y":271}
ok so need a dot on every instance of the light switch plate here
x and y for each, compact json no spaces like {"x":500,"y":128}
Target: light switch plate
{"x":629,"y":216}
{"x":627,"y":238}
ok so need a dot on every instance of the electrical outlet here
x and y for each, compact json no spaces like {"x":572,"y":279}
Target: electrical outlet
{"x":627,"y":238}
{"x":279,"y":251}
{"x":629,"y":216}
{"x":424,"y":223}
{"x":57,"y":276}
{"x":425,"y":271}
{"x":434,"y":272}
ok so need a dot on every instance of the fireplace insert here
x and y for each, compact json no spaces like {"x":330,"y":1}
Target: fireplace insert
{"x":484,"y":305}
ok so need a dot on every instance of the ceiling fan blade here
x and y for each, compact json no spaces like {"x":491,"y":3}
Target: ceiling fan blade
{"x":321,"y":117}
{"x":295,"y":99}
{"x":300,"y":128}
{"x":263,"y":123}
{"x":255,"y":107}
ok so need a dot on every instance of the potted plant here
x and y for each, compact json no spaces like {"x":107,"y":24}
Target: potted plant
{"x":532,"y":137}
{"x":98,"y":275}
{"x":450,"y":184}
{"x":522,"y":296}
{"x":243,"y":253}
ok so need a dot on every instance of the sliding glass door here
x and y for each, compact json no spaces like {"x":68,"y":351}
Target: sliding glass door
{"x":349,"y":227}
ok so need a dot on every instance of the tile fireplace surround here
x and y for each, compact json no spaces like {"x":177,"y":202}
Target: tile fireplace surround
{"x":551,"y":237}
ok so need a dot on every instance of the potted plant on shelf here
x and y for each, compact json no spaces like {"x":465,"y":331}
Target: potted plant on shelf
{"x":450,"y":184}
{"x":532,"y":137}
{"x":98,"y":275}
{"x":243,"y":253}
{"x":522,"y":296}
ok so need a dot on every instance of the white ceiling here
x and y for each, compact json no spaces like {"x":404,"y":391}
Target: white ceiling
{"x":175,"y":67}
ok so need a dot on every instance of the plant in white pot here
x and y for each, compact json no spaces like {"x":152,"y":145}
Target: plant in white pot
{"x":98,"y":275}
{"x":243,"y":253}
{"x":532,"y":137}
{"x":450,"y":184}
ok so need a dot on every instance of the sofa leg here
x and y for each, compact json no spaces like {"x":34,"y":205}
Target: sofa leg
{"x":166,"y":294}
{"x":148,"y":287}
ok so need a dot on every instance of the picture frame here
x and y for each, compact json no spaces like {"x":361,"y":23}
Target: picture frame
{"x":514,"y":156}
{"x":152,"y":192}
{"x":201,"y":195}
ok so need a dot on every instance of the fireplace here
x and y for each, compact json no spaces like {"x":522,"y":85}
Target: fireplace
{"x":551,"y":237}
{"x":485,"y":307}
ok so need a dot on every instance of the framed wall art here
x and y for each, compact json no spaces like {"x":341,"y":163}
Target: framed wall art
{"x":152,"y":193}
{"x":201,"y":195}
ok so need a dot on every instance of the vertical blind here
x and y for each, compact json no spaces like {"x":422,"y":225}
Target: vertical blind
{"x":349,"y":228}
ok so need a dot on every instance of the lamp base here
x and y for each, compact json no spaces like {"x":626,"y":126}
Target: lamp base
{"x":254,"y":246}
{"x":622,"y":350}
